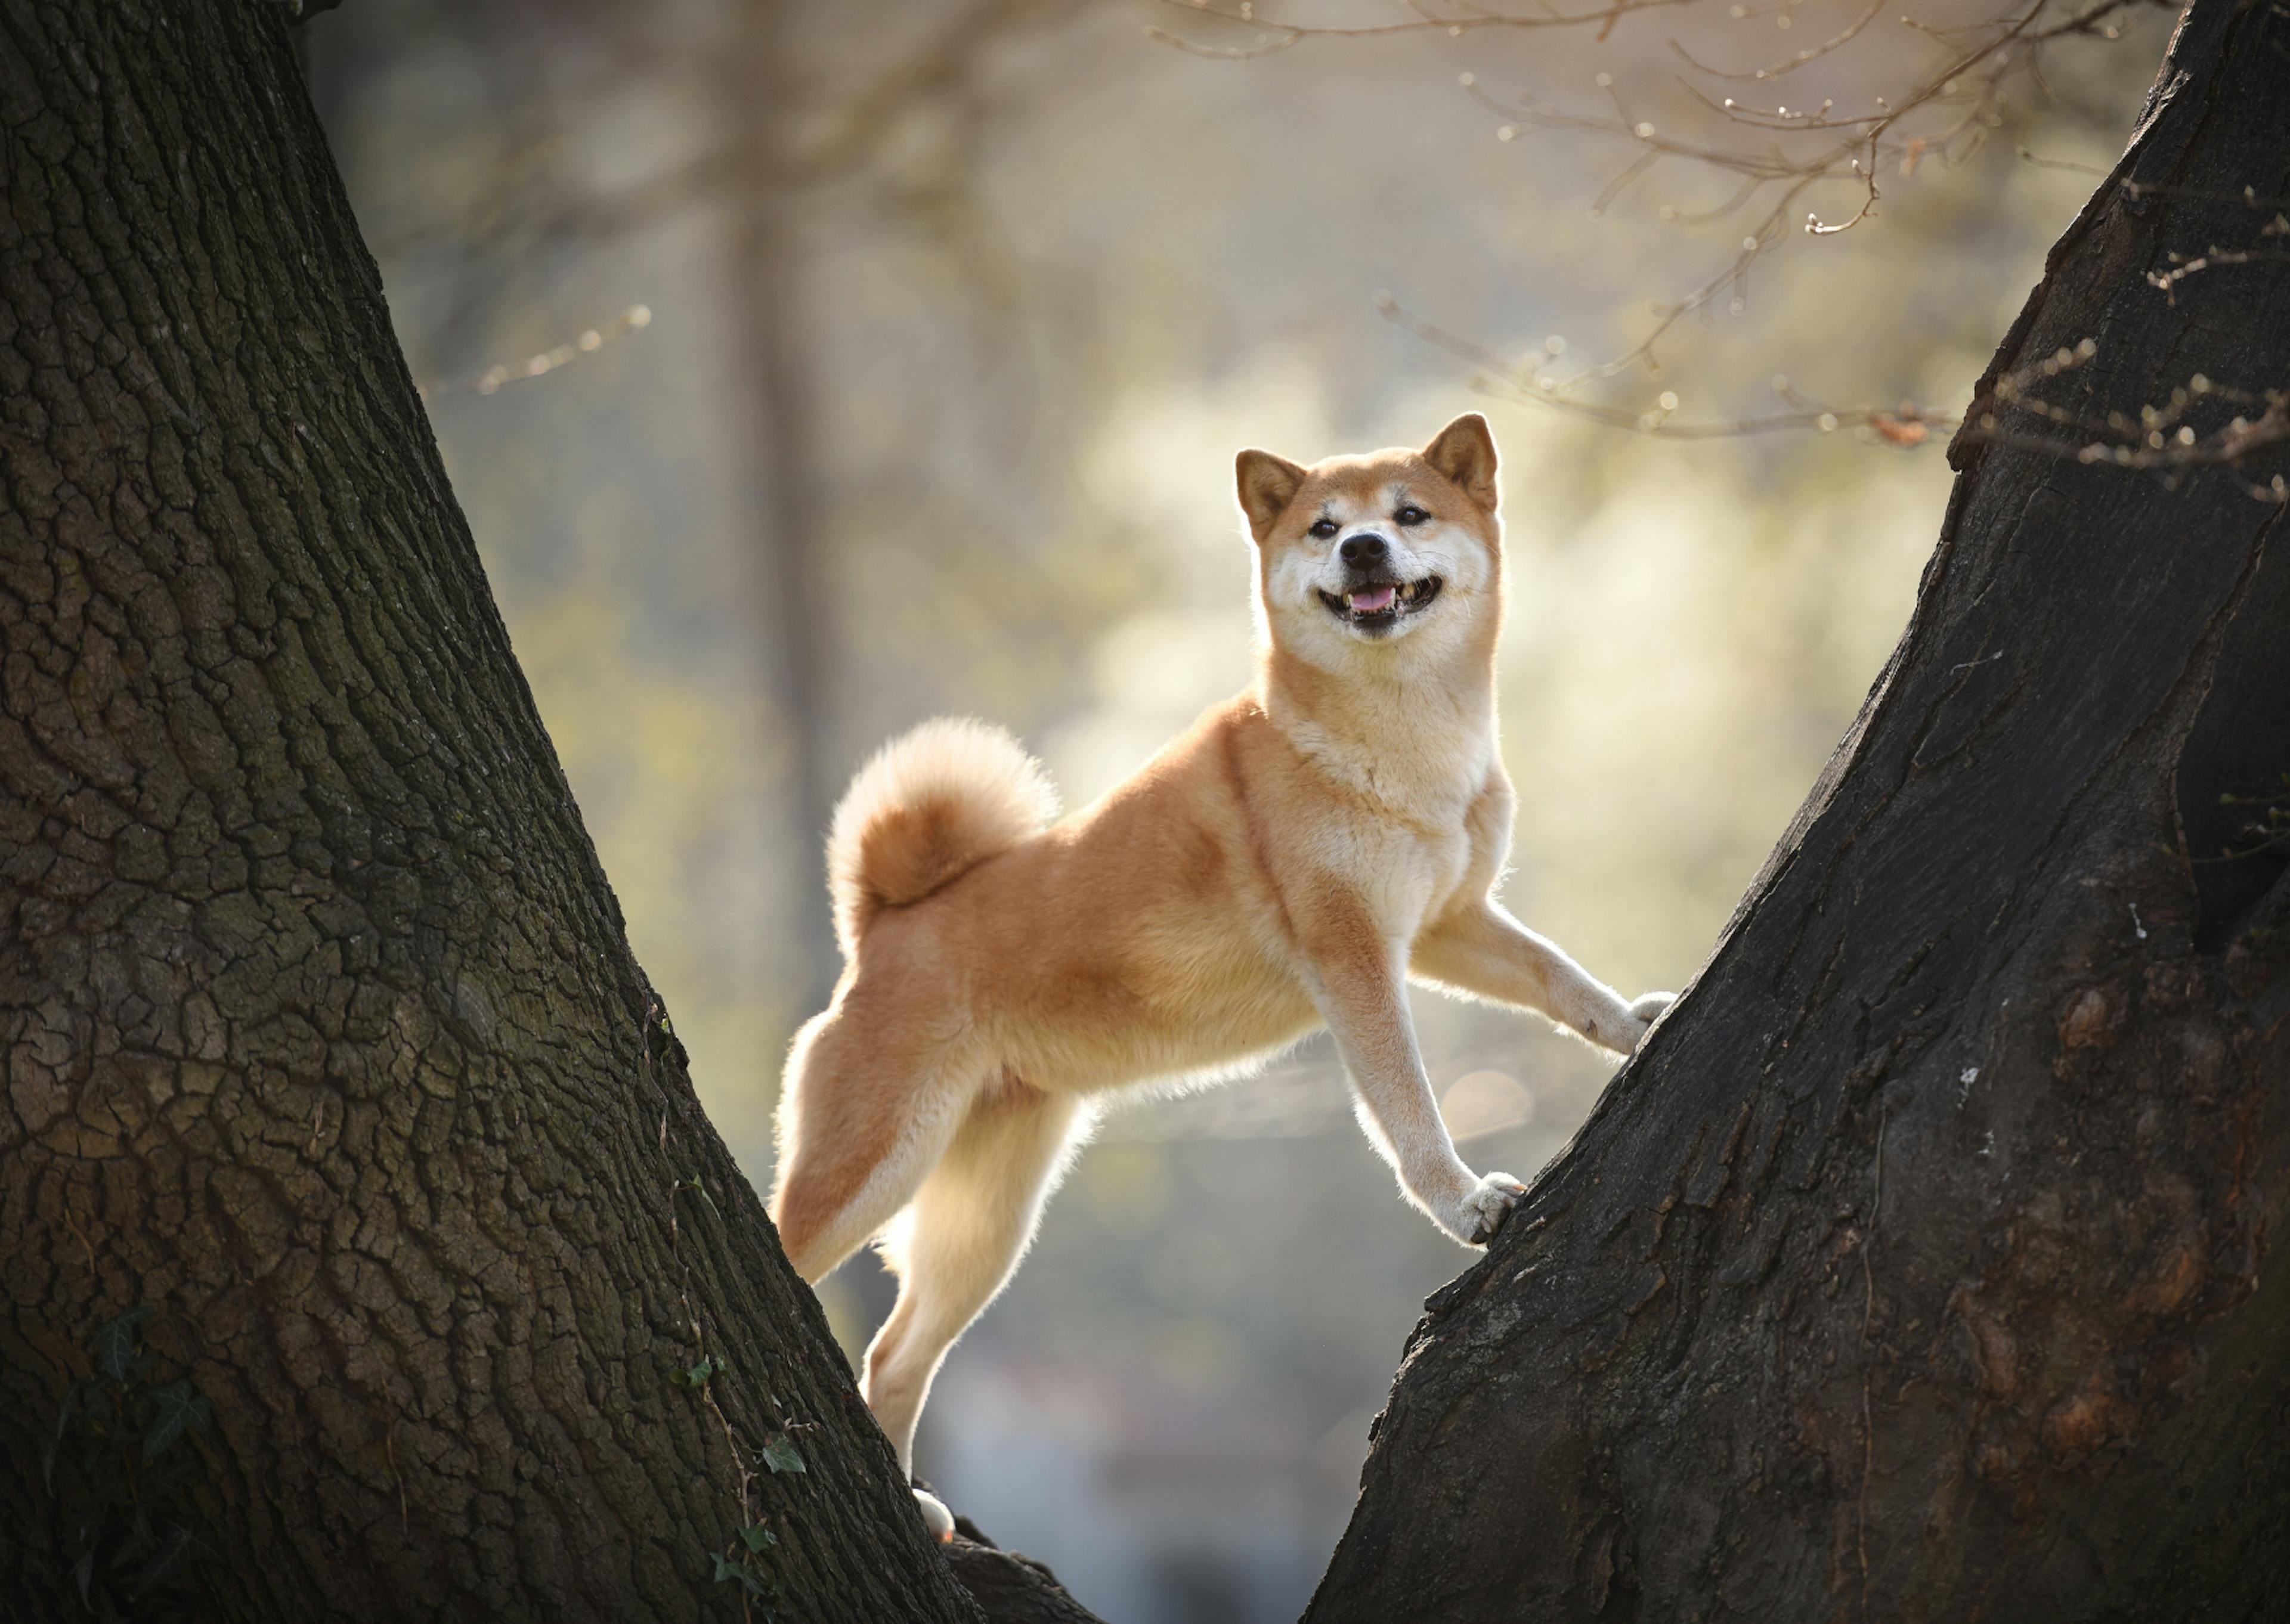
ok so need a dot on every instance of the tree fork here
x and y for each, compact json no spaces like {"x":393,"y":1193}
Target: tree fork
{"x":1917,"y":1267}
{"x":323,"y":1036}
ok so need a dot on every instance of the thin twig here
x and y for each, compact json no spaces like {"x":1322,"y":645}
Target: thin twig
{"x":1814,"y":54}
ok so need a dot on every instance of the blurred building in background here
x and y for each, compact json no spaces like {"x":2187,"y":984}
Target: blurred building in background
{"x":957,"y":314}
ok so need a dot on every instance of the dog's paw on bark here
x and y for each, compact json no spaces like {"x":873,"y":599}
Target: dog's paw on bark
{"x":1646,"y":1008}
{"x":1487,"y":1207}
{"x":936,"y":1519}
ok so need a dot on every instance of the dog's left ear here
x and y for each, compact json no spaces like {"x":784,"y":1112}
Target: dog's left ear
{"x":1465,"y":452}
{"x":1267,"y":485}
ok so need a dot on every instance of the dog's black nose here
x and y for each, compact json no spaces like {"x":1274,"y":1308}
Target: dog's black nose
{"x":1361,"y":551}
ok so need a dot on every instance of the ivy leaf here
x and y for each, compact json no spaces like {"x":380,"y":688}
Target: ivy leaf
{"x":696,"y":1375}
{"x":758,"y":1538}
{"x":701,"y":1191}
{"x":114,"y":1344}
{"x":175,"y":1411}
{"x":780,"y":1453}
{"x":182,"y":1547}
{"x":55,"y":1445}
{"x":166,"y":1476}
{"x":142,"y":1538}
{"x":733,"y":1572}
{"x":99,"y":1405}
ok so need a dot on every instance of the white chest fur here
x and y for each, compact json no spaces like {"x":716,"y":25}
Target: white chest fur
{"x":1399,"y":831}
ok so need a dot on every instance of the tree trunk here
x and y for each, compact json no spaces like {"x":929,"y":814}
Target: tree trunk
{"x":324,"y":1040}
{"x":1917,"y":1269}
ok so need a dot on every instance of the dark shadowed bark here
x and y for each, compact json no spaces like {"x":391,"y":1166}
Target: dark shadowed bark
{"x":1011,"y":1588}
{"x":1920,"y":1267}
{"x":323,"y":1038}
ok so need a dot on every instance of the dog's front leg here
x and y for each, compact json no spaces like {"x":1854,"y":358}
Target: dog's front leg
{"x":1360,"y":982}
{"x":1483,"y":951}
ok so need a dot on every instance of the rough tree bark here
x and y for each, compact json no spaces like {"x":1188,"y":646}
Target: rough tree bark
{"x":322,"y":1037}
{"x":1918,"y":1268}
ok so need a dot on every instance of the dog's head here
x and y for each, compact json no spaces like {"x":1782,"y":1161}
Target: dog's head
{"x":1395,"y":547}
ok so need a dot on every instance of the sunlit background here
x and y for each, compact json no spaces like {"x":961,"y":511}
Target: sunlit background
{"x":809,"y":370}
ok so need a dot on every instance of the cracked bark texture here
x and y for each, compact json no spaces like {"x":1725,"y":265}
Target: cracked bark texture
{"x":322,"y":1034}
{"x":1919,"y":1267}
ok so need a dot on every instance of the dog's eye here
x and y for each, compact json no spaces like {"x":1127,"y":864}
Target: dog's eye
{"x":1324,"y":528}
{"x":1411,"y":514}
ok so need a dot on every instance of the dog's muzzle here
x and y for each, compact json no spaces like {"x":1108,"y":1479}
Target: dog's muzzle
{"x":1376,"y":601}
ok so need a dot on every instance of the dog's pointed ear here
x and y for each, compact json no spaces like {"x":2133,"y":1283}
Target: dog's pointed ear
{"x":1464,"y":450}
{"x":1267,"y":485}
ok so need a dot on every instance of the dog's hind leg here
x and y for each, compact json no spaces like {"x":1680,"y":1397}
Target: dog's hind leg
{"x":866,"y":1111}
{"x":960,"y":1241}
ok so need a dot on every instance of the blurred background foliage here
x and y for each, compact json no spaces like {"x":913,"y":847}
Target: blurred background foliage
{"x":947,"y":319}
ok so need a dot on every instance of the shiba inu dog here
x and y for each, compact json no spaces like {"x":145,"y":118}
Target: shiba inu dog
{"x":1288,"y":863}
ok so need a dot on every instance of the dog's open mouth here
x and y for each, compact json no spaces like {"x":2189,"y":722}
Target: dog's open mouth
{"x":1375,"y":605}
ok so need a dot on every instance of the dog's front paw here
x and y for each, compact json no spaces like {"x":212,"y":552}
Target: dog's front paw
{"x":936,"y":1519}
{"x":1486,"y":1208}
{"x":1646,"y":1008}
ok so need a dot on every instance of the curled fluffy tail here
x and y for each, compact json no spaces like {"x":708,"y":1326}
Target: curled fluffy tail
{"x":931,"y":806}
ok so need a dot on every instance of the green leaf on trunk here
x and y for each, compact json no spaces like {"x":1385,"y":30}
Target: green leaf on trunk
{"x":780,"y":1454}
{"x":734,"y":1574}
{"x":116,"y":1355}
{"x":758,"y":1538}
{"x":177,"y":1549}
{"x":63,"y":1427}
{"x":175,"y":1410}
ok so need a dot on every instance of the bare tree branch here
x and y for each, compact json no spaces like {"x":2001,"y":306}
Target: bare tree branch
{"x":1944,"y":111}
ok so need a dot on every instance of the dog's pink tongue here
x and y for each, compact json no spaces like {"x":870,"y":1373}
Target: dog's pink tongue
{"x":1367,"y":600}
